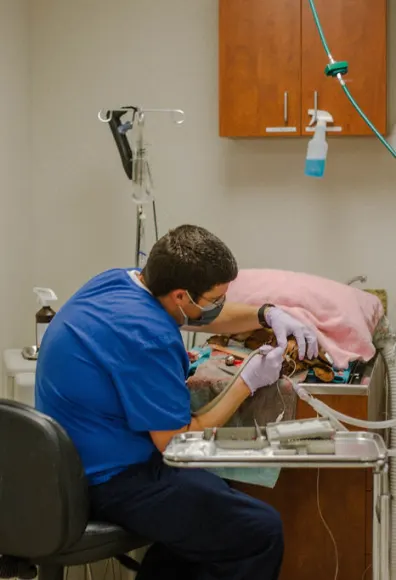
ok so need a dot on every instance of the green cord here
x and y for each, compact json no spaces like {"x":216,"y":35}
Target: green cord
{"x":391,"y":150}
{"x":320,"y":29}
{"x":344,"y":68}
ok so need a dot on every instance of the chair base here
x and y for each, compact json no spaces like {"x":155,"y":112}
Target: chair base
{"x":11,"y":567}
{"x":51,"y":572}
{"x":128,"y":562}
{"x":55,"y":571}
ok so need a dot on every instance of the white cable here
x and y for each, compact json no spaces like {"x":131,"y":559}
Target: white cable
{"x":327,"y":527}
{"x":282,"y":413}
{"x":289,"y":359}
{"x":366,"y":570}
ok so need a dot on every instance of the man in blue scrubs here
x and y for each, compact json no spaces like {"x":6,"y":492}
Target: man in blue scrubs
{"x":112,"y":371}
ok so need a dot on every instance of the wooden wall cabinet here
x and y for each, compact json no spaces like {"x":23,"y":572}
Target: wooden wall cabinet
{"x":271,"y":66}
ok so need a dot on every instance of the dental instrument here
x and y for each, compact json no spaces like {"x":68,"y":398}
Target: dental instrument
{"x":338,"y":70}
{"x":135,"y":162}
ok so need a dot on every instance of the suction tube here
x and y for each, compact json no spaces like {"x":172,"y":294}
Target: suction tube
{"x":385,"y":342}
{"x":387,"y":348}
{"x":326,"y":411}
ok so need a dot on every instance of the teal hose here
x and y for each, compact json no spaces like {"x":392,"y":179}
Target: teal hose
{"x":320,"y":29}
{"x":347,"y":92}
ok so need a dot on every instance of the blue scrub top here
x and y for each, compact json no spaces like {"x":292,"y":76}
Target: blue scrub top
{"x":112,"y":367}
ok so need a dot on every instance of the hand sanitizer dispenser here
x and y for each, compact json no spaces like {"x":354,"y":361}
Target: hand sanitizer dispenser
{"x":317,"y":147}
{"x":44,"y":316}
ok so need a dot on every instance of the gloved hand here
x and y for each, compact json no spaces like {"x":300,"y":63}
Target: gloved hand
{"x":264,"y":368}
{"x":285,"y":325}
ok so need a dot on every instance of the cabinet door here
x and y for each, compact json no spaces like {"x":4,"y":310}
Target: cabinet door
{"x":356,"y":32}
{"x":259,"y":67}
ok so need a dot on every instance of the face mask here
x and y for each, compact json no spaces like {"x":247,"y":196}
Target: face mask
{"x":209,"y":313}
{"x":185,"y":317}
{"x":207,"y":316}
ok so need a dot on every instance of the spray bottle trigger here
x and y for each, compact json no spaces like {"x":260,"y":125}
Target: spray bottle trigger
{"x":319,"y":116}
{"x":312,"y":114}
{"x":45,"y":295}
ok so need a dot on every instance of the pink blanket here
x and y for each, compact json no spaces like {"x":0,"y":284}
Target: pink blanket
{"x":343,"y":316}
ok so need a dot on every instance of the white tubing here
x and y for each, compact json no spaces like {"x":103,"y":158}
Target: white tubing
{"x":388,"y":352}
{"x":327,"y":411}
{"x":324,"y":410}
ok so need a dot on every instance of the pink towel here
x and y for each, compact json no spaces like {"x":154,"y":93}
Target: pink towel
{"x":343,"y":316}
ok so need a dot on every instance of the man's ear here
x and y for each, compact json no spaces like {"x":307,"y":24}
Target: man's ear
{"x":178,"y":295}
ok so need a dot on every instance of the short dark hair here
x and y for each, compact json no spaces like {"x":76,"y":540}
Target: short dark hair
{"x":191,"y":258}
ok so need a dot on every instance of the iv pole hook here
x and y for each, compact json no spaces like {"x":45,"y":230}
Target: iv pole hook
{"x":177,"y":115}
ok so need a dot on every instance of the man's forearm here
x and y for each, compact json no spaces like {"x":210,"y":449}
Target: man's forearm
{"x":216,"y":417}
{"x":224,"y":409}
{"x":234,"y":318}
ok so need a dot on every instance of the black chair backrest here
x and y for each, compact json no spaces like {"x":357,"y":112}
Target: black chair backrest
{"x":44,"y":503}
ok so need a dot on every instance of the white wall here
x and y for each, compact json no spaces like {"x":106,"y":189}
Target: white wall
{"x":16,"y":246}
{"x":88,"y":54}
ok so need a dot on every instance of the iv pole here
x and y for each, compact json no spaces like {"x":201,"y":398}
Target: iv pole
{"x":134,"y":160}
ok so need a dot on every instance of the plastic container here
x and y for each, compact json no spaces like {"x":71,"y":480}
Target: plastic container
{"x":317,"y":147}
{"x":44,"y":316}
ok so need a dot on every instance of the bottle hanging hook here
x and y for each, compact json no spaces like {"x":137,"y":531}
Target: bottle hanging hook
{"x":177,"y":115}
{"x":106,"y":115}
{"x":107,"y":118}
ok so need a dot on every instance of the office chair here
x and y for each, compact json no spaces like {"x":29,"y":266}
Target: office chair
{"x":44,"y":504}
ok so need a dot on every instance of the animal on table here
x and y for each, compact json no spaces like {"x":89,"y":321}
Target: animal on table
{"x":320,"y":365}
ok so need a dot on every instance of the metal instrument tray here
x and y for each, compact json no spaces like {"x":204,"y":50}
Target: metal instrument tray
{"x":237,"y":437}
{"x":352,"y":449}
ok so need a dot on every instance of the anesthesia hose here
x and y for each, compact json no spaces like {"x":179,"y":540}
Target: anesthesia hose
{"x":337,"y":70}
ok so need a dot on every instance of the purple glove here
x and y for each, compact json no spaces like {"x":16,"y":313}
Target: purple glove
{"x":285,"y":325}
{"x":263,"y":369}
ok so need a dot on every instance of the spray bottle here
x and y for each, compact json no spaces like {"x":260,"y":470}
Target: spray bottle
{"x":317,"y":146}
{"x":44,"y":316}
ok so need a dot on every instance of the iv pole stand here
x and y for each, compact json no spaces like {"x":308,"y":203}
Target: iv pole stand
{"x":119,"y":129}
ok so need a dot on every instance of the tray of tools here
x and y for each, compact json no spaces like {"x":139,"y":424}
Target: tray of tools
{"x":297,"y":443}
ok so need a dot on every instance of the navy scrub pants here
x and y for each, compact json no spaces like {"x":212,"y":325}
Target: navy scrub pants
{"x":201,"y":529}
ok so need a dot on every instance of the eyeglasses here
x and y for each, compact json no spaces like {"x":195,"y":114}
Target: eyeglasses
{"x":216,"y":302}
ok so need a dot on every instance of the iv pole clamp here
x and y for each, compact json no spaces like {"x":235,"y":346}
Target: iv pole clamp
{"x":121,"y":120}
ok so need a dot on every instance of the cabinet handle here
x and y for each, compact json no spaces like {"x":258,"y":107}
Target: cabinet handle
{"x":286,"y":107}
{"x":316,"y":104}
